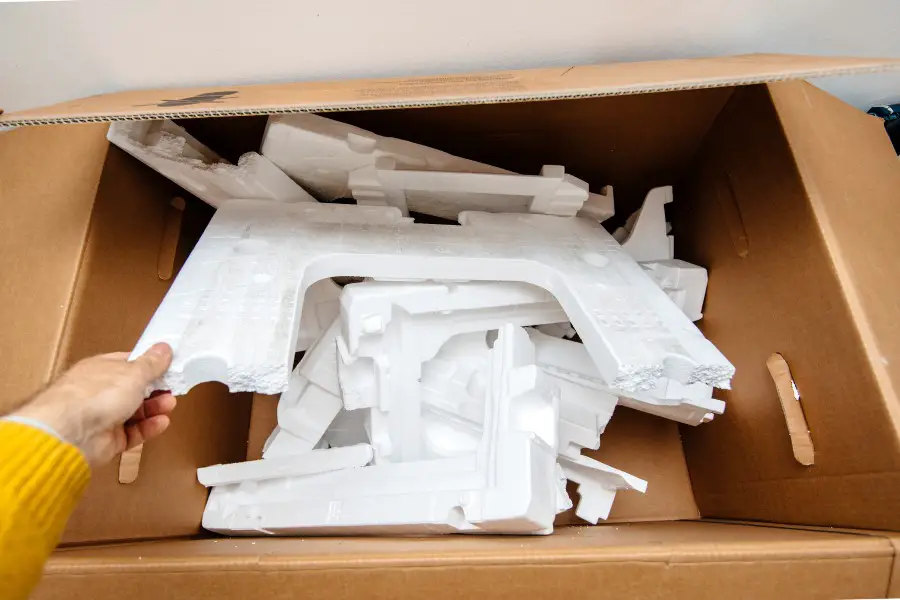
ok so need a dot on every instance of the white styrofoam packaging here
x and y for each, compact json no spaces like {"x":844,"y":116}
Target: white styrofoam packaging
{"x":553,"y":192}
{"x":321,"y":307}
{"x":390,"y":328}
{"x":173,"y":152}
{"x":453,"y":395}
{"x":322,"y":153}
{"x":312,"y":400}
{"x":510,"y":484}
{"x":309,"y":463}
{"x":569,"y":361}
{"x":453,"y":386}
{"x":645,"y":235}
{"x":683,"y":282}
{"x":597,"y":485}
{"x":232,"y":313}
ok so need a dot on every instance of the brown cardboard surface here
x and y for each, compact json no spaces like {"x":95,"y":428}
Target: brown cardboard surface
{"x":503,"y":86}
{"x":689,"y":559}
{"x":47,"y":186}
{"x":117,"y":291}
{"x":784,"y":294}
{"x":894,"y":585}
{"x":853,"y":179}
{"x":263,"y":419}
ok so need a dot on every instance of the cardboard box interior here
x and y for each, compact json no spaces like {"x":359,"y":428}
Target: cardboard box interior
{"x":781,"y":191}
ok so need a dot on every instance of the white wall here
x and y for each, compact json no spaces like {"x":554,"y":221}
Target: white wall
{"x":54,"y":51}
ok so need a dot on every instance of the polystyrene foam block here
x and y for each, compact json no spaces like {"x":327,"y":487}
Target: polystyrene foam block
{"x":597,"y":485}
{"x":348,"y":428}
{"x":321,"y":154}
{"x":583,"y":415}
{"x":453,"y":395}
{"x":309,"y":463}
{"x":563,"y":501}
{"x":172,"y":151}
{"x":313,"y":397}
{"x":509,"y":485}
{"x":231,"y":314}
{"x":645,"y":236}
{"x":453,"y":390}
{"x":552,"y":193}
{"x":283,"y":443}
{"x":321,"y":307}
{"x":683,"y":282}
{"x":691,"y":404}
{"x":391,"y":328}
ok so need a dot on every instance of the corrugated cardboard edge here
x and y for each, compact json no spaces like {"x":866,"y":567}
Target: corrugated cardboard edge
{"x":894,"y":585}
{"x":477,"y":88}
{"x":892,"y":537}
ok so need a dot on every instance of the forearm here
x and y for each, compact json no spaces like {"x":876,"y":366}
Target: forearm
{"x":41,"y":480}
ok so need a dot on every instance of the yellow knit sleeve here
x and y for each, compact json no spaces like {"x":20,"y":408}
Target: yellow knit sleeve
{"x":41,"y":480}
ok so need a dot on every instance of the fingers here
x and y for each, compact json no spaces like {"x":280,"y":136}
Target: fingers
{"x":153,"y":363}
{"x":115,"y":356}
{"x":141,"y":431}
{"x":160,"y":404}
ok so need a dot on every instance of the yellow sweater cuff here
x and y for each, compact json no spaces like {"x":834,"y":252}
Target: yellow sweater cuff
{"x":43,"y":474}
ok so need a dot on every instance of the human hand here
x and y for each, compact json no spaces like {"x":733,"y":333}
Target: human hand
{"x":98,"y":405}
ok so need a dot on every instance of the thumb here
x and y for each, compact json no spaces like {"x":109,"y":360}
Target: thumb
{"x":153,"y":363}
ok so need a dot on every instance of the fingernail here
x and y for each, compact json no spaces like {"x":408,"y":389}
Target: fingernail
{"x":160,"y":349}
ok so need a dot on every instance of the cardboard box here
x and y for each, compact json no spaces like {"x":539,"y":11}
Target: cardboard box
{"x":785,"y":193}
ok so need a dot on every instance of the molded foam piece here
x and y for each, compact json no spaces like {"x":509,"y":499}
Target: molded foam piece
{"x":597,"y":485}
{"x":232,"y":313}
{"x":509,"y":485}
{"x":453,"y":388}
{"x":312,"y":400}
{"x":645,"y":235}
{"x":348,"y":428}
{"x":315,"y":461}
{"x":552,"y":193}
{"x":691,"y":404}
{"x":390,"y":328}
{"x":321,"y":307}
{"x":173,"y":152}
{"x":321,"y":153}
{"x":683,"y":282}
{"x":453,"y":397}
{"x":283,"y":443}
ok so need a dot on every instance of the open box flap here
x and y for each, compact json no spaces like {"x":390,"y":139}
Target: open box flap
{"x":791,"y":205}
{"x":852,"y":175}
{"x":47,"y":190}
{"x":501,"y":86}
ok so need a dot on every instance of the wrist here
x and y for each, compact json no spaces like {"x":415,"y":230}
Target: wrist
{"x":54,"y":418}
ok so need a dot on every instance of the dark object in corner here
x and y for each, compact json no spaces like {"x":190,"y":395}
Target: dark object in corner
{"x":891,"y":115}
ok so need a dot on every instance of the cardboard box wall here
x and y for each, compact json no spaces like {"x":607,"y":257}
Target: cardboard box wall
{"x":783,"y":192}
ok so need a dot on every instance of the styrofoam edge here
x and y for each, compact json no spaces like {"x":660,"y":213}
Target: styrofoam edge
{"x":312,"y":462}
{"x":597,"y":485}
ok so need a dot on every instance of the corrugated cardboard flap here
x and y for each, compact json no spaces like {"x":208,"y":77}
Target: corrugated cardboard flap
{"x":502,"y":86}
